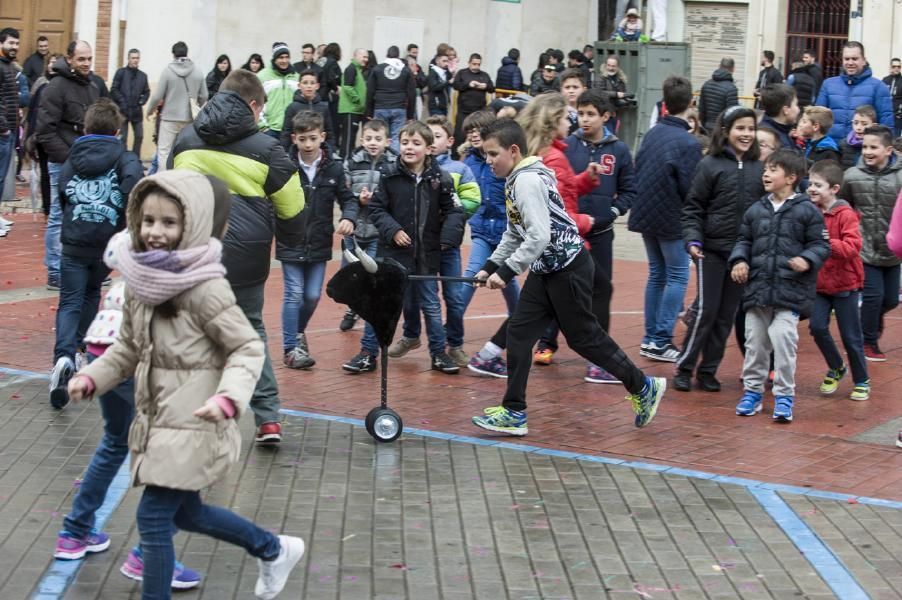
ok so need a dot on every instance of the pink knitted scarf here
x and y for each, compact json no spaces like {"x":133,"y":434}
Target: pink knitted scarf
{"x":157,"y":276}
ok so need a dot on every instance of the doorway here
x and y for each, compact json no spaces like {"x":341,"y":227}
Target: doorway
{"x":50,"y":18}
{"x":821,"y":26}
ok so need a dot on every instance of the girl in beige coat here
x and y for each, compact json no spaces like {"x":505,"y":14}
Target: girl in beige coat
{"x":195,"y":359}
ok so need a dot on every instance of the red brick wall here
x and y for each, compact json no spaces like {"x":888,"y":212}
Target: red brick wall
{"x":102,"y":49}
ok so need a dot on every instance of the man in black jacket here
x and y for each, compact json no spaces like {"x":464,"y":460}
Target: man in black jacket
{"x":809,"y":57}
{"x":34,"y":64}
{"x":61,"y":120}
{"x":894,"y":82}
{"x":391,"y":94}
{"x":718,"y":94}
{"x":308,"y":62}
{"x":767,"y":76}
{"x":130,"y":91}
{"x":224,"y":141}
{"x":9,"y":99}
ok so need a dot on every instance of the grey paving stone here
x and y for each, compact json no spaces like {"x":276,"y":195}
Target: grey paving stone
{"x":427,"y":518}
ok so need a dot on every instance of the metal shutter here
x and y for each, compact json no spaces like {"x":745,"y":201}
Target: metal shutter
{"x":716,"y":30}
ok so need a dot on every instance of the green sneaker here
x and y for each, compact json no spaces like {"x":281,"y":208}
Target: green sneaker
{"x":645,"y":403}
{"x":861,"y":391}
{"x":502,"y":420}
{"x":832,"y":379}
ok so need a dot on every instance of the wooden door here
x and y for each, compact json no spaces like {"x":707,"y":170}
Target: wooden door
{"x":51,"y":18}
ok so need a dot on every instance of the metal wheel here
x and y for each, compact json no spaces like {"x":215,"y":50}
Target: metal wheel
{"x":386,"y":426}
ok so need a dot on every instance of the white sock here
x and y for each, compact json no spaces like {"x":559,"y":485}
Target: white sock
{"x":490,"y":351}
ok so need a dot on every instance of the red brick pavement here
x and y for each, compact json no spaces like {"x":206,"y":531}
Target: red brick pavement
{"x":693,"y":430}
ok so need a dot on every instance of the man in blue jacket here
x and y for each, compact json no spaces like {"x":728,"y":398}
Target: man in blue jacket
{"x":665,"y":164}
{"x":856,"y":86}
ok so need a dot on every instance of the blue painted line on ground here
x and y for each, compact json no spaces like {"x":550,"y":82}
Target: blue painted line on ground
{"x":645,"y":466}
{"x":828,"y":565}
{"x":61,"y":573}
{"x":25,"y":374}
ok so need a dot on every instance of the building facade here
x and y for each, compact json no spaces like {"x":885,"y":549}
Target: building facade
{"x":741,"y":29}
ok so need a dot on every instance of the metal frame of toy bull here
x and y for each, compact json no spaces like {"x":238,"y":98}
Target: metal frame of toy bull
{"x":374,"y":289}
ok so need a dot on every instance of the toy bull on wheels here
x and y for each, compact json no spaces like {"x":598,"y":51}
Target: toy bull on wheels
{"x":374,"y":289}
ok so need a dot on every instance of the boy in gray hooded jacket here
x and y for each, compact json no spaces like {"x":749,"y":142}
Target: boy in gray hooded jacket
{"x":542,"y":238}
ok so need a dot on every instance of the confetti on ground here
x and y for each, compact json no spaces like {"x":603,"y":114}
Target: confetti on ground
{"x":347,"y":537}
{"x":852,"y":501}
{"x":400,"y":566}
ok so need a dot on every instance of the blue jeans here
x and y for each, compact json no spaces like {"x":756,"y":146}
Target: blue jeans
{"x":52,"y":245}
{"x":452,"y":292}
{"x":480,"y":251}
{"x":846,"y":307}
{"x":668,"y":276}
{"x":80,"y":282}
{"x":303,"y":283}
{"x":424,"y":293}
{"x":881,"y":295}
{"x":395,"y":117}
{"x":118,"y":409}
{"x":160,"y":508}
{"x":7,"y":149}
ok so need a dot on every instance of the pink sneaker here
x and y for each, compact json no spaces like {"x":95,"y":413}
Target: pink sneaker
{"x":69,"y":547}
{"x":183,"y":578}
{"x":595,"y":374}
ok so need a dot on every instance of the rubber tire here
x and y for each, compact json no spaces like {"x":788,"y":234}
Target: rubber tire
{"x":383,"y":412}
{"x":371,"y":420}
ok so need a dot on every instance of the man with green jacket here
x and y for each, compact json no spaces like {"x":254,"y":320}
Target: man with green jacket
{"x":352,"y":102}
{"x":280,"y":82}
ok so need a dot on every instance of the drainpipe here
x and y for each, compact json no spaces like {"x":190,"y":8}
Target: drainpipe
{"x":856,"y":22}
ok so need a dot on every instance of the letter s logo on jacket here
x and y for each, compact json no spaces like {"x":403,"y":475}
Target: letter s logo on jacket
{"x":608,"y":163}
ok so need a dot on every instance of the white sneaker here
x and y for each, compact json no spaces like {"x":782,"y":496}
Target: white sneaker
{"x":274,"y":573}
{"x":3,"y":231}
{"x":6,"y":223}
{"x":59,"y":382}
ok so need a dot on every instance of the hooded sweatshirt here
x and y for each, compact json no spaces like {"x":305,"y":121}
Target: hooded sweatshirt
{"x":616,"y":189}
{"x":94,"y":184}
{"x":391,"y":85}
{"x":179,"y":83}
{"x":540,"y":235}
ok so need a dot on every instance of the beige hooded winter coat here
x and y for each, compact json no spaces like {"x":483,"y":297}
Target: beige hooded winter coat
{"x":208,"y":348}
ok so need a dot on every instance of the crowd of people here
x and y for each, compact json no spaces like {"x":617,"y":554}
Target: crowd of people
{"x":786,"y":213}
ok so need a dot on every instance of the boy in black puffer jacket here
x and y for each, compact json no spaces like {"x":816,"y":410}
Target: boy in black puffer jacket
{"x":417,"y":217}
{"x":304,"y":267}
{"x":94,"y":184}
{"x":782,"y":243}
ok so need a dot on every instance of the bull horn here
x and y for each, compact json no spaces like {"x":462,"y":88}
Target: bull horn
{"x":349,"y":256}
{"x":369,"y":265}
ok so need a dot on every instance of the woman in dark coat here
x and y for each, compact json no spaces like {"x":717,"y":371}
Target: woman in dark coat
{"x":220,"y":71}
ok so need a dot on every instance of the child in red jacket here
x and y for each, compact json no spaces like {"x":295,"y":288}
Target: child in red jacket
{"x":838,"y":283}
